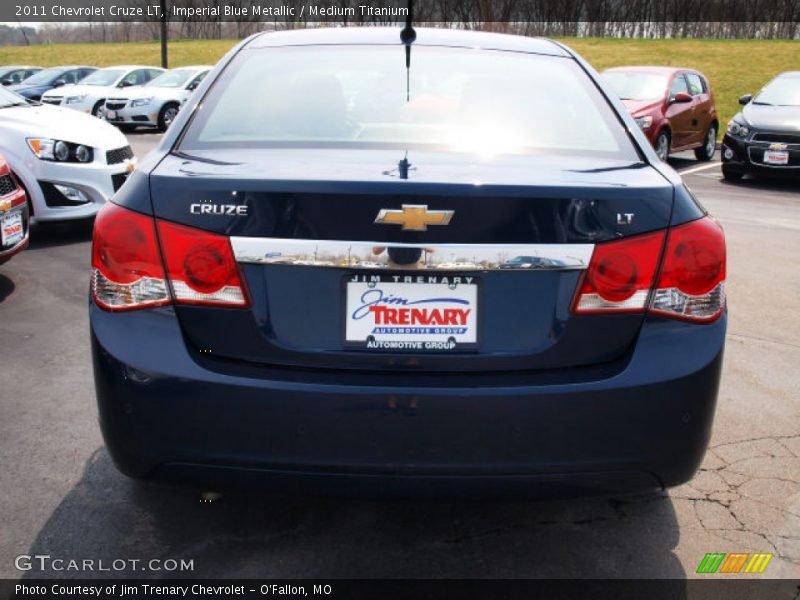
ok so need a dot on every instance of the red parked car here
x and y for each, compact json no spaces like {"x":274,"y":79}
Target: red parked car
{"x":13,"y":214}
{"x":674,"y":107}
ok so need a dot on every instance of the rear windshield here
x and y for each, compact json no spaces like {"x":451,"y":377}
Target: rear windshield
{"x":460,"y":100}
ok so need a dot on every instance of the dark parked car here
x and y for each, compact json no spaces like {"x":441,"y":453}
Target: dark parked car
{"x":432,"y":371}
{"x":37,"y":84}
{"x":532,"y":262}
{"x":674,"y":107}
{"x":13,"y":215}
{"x":764,"y":138}
{"x":16,"y":74}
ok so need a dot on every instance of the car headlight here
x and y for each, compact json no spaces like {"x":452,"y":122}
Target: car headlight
{"x":142,"y":101}
{"x":738,"y":129}
{"x":60,"y":151}
{"x":75,"y":99}
{"x":644,"y":122}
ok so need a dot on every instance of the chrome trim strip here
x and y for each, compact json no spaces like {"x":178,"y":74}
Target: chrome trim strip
{"x":438,"y":257}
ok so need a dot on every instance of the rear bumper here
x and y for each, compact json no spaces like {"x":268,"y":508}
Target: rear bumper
{"x":166,"y":417}
{"x":18,"y":204}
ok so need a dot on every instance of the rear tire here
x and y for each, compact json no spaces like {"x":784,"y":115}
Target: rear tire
{"x":167,"y":115}
{"x":662,"y":145}
{"x":706,"y":151}
{"x":730,"y":175}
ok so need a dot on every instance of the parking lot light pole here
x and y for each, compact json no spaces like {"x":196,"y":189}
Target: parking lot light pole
{"x":163,"y":33}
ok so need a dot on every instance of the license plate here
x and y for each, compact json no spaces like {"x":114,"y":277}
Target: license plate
{"x":775,"y":157}
{"x":111,"y":115}
{"x":11,"y":228}
{"x":411,"y":313}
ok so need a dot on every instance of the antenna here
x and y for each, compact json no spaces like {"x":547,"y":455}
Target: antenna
{"x":407,"y":36}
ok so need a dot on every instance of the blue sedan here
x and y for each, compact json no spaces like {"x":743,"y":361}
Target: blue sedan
{"x":361,"y":263}
{"x":47,"y":79}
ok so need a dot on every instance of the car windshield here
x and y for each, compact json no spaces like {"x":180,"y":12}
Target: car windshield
{"x":630,"y":85}
{"x":45,"y":77}
{"x":103,"y":77}
{"x":783,"y":91}
{"x":172,"y":79}
{"x":9,"y":98}
{"x":461,"y":100}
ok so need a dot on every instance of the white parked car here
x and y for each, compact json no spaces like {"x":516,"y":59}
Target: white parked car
{"x":69,"y":163}
{"x":155,"y":104}
{"x":90,"y":94}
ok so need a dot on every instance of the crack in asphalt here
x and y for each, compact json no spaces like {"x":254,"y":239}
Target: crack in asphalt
{"x":763,"y":339}
{"x":737,"y":507}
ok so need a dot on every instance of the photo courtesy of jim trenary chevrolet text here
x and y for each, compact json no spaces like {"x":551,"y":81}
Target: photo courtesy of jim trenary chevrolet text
{"x":399,"y":299}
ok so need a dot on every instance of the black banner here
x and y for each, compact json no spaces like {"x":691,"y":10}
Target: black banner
{"x":452,"y":12}
{"x":549,"y":589}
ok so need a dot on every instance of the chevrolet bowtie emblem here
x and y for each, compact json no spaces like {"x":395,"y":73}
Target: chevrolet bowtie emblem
{"x":778,"y":146}
{"x":5,"y":205}
{"x":414,"y":217}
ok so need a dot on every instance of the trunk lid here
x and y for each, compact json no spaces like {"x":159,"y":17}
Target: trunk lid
{"x":519,"y":226}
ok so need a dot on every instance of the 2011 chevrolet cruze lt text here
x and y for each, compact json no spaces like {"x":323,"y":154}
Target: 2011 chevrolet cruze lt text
{"x":357,"y":264}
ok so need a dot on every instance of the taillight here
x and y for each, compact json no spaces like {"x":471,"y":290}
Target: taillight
{"x":691,"y":284}
{"x":200,"y":266}
{"x":620,"y":275}
{"x":126,"y":266}
{"x":128,"y":272}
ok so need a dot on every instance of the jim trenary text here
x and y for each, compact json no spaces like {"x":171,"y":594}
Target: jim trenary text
{"x":145,"y":590}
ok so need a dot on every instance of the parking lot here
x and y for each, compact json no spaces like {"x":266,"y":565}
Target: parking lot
{"x":63,"y":497}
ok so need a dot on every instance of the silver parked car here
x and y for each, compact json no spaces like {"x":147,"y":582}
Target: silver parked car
{"x":157,"y":103}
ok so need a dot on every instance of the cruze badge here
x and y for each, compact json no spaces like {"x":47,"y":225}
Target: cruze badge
{"x":413,"y":217}
{"x":778,"y":146}
{"x":208,"y":208}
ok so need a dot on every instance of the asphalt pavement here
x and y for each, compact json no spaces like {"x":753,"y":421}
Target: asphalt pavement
{"x":62,"y":497}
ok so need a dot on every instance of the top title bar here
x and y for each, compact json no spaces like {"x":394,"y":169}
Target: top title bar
{"x":203,"y":10}
{"x":463,"y":13}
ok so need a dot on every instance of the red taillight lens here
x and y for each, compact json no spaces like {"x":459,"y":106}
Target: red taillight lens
{"x":620,"y":275}
{"x":200,"y":266}
{"x":691,"y":284}
{"x":127,"y":271}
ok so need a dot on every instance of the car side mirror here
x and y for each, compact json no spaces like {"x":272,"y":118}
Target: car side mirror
{"x":124,"y":84}
{"x":59,"y":83}
{"x":680,"y":98}
{"x":6,"y":81}
{"x":746,"y":99}
{"x":192,"y":86}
